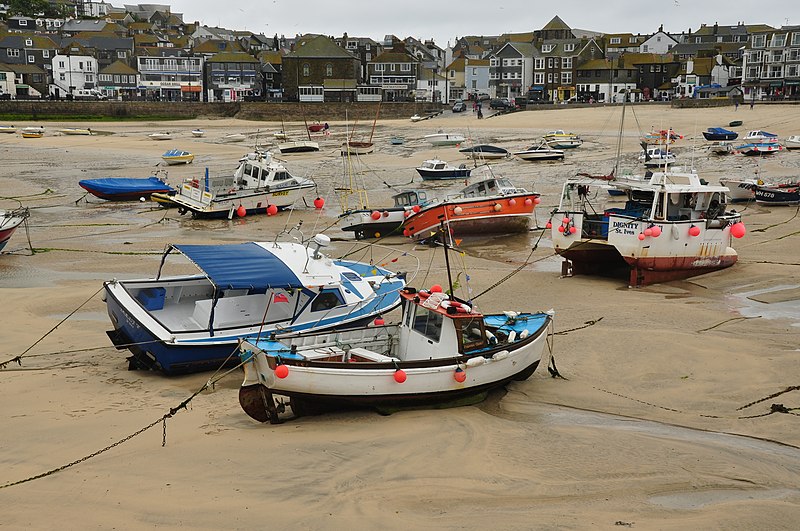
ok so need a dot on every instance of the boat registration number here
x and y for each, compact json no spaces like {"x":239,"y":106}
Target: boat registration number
{"x":280,"y":193}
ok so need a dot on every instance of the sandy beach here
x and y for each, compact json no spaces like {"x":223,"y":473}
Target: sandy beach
{"x":662,"y":419}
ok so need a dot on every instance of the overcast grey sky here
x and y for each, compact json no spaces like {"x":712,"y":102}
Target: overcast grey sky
{"x":443,"y":21}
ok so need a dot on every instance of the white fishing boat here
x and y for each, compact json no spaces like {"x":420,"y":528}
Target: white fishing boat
{"x":792,"y":142}
{"x":189,"y":322}
{"x":9,"y":221}
{"x":298,"y":146}
{"x":740,"y":189}
{"x":33,"y":129}
{"x":260,"y":185}
{"x":444,"y":139}
{"x":759,"y":136}
{"x":198,"y":133}
{"x":443,"y":350}
{"x":379,"y":222}
{"x":561,"y":140}
{"x":234,"y":137}
{"x":436,"y":170}
{"x":721,"y":147}
{"x":539,"y":152}
{"x":160,"y":136}
{"x":672,"y":226}
{"x":76,"y":131}
{"x":654,"y":157}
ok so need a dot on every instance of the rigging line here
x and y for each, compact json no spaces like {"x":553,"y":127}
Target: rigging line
{"x":89,"y":349}
{"x":764,"y":229}
{"x":18,"y":358}
{"x":515,"y":271}
{"x":769,"y":397}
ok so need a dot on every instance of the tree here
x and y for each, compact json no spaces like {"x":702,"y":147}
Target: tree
{"x":28,"y":8}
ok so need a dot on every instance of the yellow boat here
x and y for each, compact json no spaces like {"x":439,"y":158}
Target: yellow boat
{"x":177,"y":156}
{"x":32,"y":134}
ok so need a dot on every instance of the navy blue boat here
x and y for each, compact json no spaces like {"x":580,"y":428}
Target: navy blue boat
{"x":123,"y":188}
{"x":719,"y":133}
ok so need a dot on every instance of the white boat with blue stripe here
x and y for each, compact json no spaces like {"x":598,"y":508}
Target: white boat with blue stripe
{"x":193,"y":322}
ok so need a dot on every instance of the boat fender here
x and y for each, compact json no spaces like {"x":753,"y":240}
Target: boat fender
{"x":475,"y":362}
{"x":503,"y":354}
{"x":512,"y":336}
{"x":511,"y":315}
{"x":424,"y":294}
{"x":492,"y":339}
{"x":524,"y":334}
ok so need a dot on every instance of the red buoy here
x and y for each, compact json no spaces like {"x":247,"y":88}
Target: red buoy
{"x":241,"y":211}
{"x":281,"y":371}
{"x":460,"y":375}
{"x":400,"y":376}
{"x":416,"y":208}
{"x":319,"y":203}
{"x":549,"y":225}
{"x":379,"y":321}
{"x":272,"y":210}
{"x":656,"y":231}
{"x":436,"y":288}
{"x":694,"y":230}
{"x":512,"y":202}
{"x":641,"y":236}
{"x":375,"y":215}
{"x":738,"y":230}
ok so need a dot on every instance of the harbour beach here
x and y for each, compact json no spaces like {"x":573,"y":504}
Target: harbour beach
{"x":663,"y":419}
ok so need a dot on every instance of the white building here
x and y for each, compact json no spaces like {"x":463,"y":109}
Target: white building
{"x":660,"y":43}
{"x":73,"y":72}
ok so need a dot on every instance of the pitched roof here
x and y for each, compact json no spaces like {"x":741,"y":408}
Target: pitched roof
{"x":271,"y":56}
{"x":556,"y":24}
{"x":395,"y":57}
{"x":232,"y":57}
{"x":318,"y":46}
{"x":118,"y":67}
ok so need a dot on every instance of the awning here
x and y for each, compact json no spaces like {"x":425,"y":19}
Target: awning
{"x":776,"y":83}
{"x":186,"y":88}
{"x":240,"y":266}
{"x":23,"y":85}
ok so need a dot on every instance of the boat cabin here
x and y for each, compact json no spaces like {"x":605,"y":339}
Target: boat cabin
{"x":410,"y":198}
{"x":658,"y":197}
{"x":433,"y":323}
{"x":490,"y":187}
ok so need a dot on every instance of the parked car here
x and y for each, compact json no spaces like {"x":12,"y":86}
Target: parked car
{"x":500,"y":103}
{"x":482,"y":96}
{"x":459,"y":106}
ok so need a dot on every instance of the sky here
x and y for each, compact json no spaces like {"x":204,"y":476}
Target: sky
{"x":443,"y":21}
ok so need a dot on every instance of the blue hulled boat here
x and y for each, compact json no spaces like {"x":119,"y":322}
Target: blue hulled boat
{"x":719,"y":133}
{"x":188,"y":323}
{"x":123,"y":188}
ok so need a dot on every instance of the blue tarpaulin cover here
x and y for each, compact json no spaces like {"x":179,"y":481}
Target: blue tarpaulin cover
{"x":240,"y":266}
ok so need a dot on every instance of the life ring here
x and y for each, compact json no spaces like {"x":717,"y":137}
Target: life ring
{"x":459,"y":307}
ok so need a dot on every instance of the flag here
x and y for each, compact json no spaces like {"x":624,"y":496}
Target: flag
{"x":280,"y":297}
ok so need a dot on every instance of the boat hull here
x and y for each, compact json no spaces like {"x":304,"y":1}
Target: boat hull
{"x":740,"y":190}
{"x":7,"y":229}
{"x":114,"y":189}
{"x":443,"y":139}
{"x":606,"y":247}
{"x":364,"y":225}
{"x":441,"y":175}
{"x":298,"y":147}
{"x":358,"y":148}
{"x":337,"y":384}
{"x":778,"y":196}
{"x":203,"y":204}
{"x":532,"y":156}
{"x":475,"y":216}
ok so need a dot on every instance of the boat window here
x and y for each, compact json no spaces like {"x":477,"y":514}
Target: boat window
{"x":472,"y":336}
{"x":352,"y":277}
{"x":248,"y":169}
{"x":428,"y":323}
{"x":491,"y":185}
{"x":327,"y":299}
{"x":281,"y":176}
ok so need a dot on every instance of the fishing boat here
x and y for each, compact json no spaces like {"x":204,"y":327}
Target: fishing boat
{"x":664,"y":136}
{"x":318,"y":127}
{"x":32,"y":134}
{"x":759,"y":136}
{"x":436,"y":170}
{"x":125,"y":189}
{"x":443,"y":351}
{"x":740,"y":189}
{"x":177,"y":156}
{"x":654,"y":157}
{"x":492,"y":205}
{"x":755,"y":149}
{"x":160,"y":136}
{"x":76,"y":131}
{"x":417,"y":118}
{"x":379,"y":222}
{"x":164,"y":199}
{"x":561,"y":140}
{"x":540,"y":152}
{"x":259,"y":185}
{"x":722,"y":147}
{"x":792,"y":142}
{"x":716,"y":134}
{"x":360,"y":147}
{"x":298,"y":146}
{"x":444,"y":139}
{"x":485,"y":152}
{"x":673,"y":225}
{"x":234,"y":137}
{"x":190,"y":322}
{"x":9,"y":129}
{"x":198,"y":133}
{"x":9,"y":221}
{"x":784,"y":194}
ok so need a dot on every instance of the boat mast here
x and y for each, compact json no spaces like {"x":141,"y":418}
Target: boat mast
{"x":619,"y":138}
{"x":303,"y":109}
{"x":445,"y":230}
{"x":375,"y":121}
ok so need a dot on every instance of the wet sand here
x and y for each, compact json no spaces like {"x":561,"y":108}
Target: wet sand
{"x":644,"y":432}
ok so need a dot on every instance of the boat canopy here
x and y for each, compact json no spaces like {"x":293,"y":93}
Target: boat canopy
{"x":239,"y":266}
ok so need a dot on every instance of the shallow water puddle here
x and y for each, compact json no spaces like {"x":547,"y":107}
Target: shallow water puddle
{"x":698,"y":499}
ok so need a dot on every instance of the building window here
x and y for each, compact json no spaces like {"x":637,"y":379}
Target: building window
{"x":368,"y":57}
{"x":31,"y":59}
{"x":538,"y":78}
{"x":569,"y":47}
{"x":380,"y":68}
{"x":23,"y":22}
{"x":306,"y":70}
{"x":45,"y":53}
{"x":644,"y":48}
{"x":549,"y":62}
{"x":405,"y":67}
{"x":329,"y":70}
{"x":566,"y":78}
{"x":12,"y":52}
{"x":778,"y":40}
{"x":547,"y":48}
{"x":759,"y":41}
{"x":28,"y":42}
{"x":122,"y":54}
{"x":538,"y":63}
{"x":796,"y":39}
{"x":615,"y":40}
{"x":566,"y":62}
